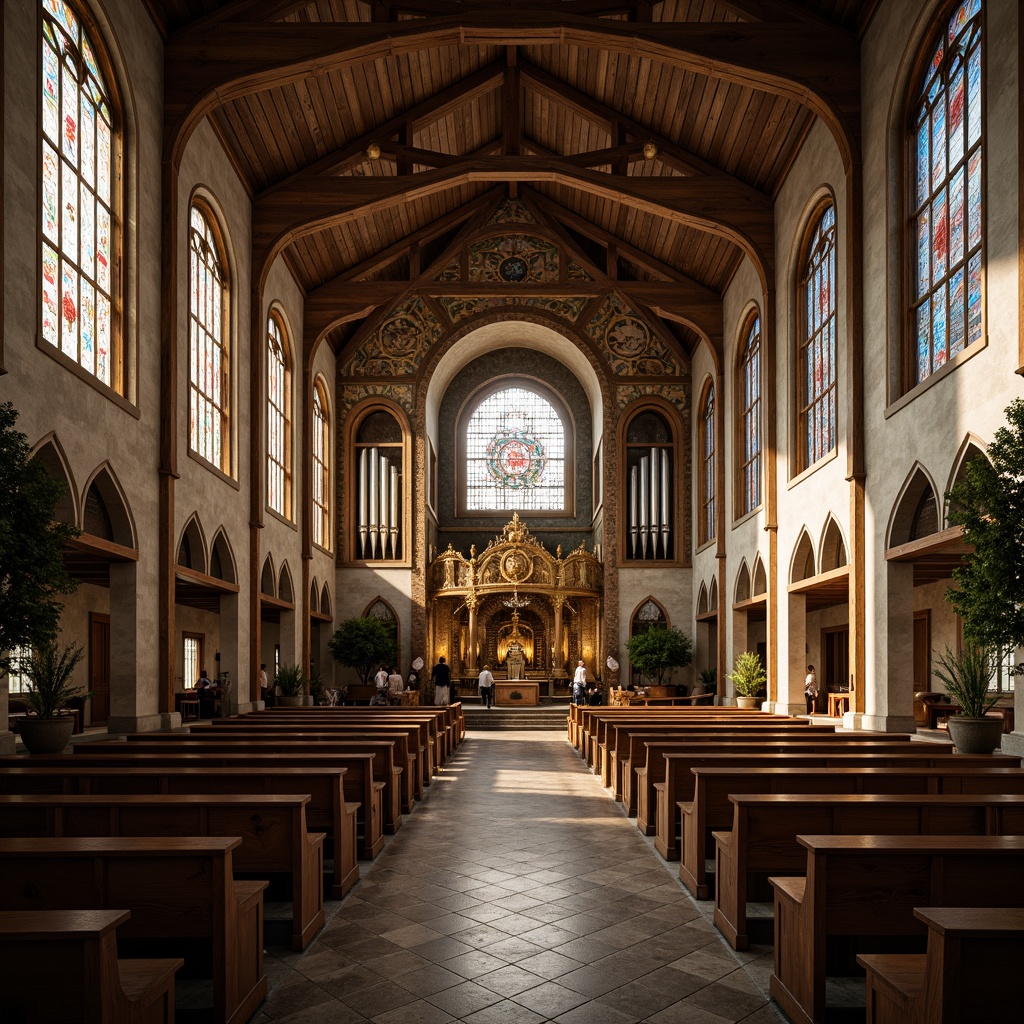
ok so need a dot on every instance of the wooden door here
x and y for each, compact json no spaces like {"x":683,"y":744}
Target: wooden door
{"x":99,"y":666}
{"x":836,"y":670}
{"x":923,"y":651}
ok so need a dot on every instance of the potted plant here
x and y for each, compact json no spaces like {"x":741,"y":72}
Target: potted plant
{"x":655,"y":652}
{"x":363,"y":644}
{"x":291,"y":684}
{"x":47,"y":729}
{"x":748,"y":676}
{"x":966,"y":675}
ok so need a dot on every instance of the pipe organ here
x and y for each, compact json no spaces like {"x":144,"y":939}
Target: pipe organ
{"x":650,"y":505}
{"x":379,"y":501}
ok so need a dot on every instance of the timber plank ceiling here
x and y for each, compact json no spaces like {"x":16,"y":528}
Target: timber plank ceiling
{"x":450,"y":93}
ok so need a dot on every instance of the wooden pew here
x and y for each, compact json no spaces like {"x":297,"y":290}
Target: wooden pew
{"x":272,"y":830}
{"x":61,"y":967}
{"x":676,"y":782}
{"x":361,"y":789}
{"x":327,"y":810}
{"x":762,"y":840}
{"x":970,"y":973}
{"x":861,"y":891}
{"x":290,"y":753}
{"x":711,"y":808}
{"x":178,"y":890}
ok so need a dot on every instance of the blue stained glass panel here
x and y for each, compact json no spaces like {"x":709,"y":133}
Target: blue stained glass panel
{"x":974,"y":96}
{"x":924,"y":347}
{"x":922,"y":163}
{"x":923,"y":253}
{"x":938,"y":143}
{"x":956,"y":218}
{"x":974,"y":201}
{"x":956,"y":312}
{"x":939,"y":340}
{"x":974,"y":299}
{"x":940,"y":236}
{"x":51,"y":71}
{"x":956,"y":117}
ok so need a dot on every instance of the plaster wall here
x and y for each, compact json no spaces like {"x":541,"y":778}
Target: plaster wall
{"x":358,"y":588}
{"x":74,"y":625}
{"x":673,"y":590}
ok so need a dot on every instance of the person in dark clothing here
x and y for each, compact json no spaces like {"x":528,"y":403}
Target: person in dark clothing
{"x":441,"y":677}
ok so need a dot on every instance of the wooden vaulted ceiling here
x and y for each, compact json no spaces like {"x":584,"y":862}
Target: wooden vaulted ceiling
{"x":469,"y":101}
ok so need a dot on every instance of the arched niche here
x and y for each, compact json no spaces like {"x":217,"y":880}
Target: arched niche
{"x":192,"y":546}
{"x":916,"y":511}
{"x":713,"y":595}
{"x":802,"y":567}
{"x":742,"y":583}
{"x":759,"y":578}
{"x":833,"y":547}
{"x":314,"y":596}
{"x":702,"y":600}
{"x":268,"y":583}
{"x":105,"y":507}
{"x":325,"y":601}
{"x":378,"y":608}
{"x":50,"y":454}
{"x":222,"y":561}
{"x":285,"y":590}
{"x":972,"y":448}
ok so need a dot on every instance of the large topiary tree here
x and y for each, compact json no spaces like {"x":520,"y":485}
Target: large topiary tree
{"x":989,"y":504}
{"x":363,"y":644}
{"x":32,"y":573}
{"x":658,"y":650}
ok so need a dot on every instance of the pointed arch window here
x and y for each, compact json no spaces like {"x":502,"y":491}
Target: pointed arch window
{"x":946,"y":197}
{"x":707,"y":466}
{"x":321,"y":467}
{"x":209,"y":364}
{"x":816,"y":359}
{"x":80,"y":198}
{"x":279,"y":419}
{"x":749,"y":389}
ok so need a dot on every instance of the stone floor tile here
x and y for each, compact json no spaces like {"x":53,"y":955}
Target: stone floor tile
{"x":505,"y":1012}
{"x":474,"y":963}
{"x":376,"y":999}
{"x":464,"y":999}
{"x":550,"y":999}
{"x":596,"y":1013}
{"x":419,"y":1012}
{"x":509,"y":980}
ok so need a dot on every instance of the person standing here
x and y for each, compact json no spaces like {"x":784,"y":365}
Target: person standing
{"x":441,"y":677}
{"x":485,"y":684}
{"x":381,"y":678}
{"x":579,"y":683}
{"x":810,"y":688}
{"x":396,"y":684}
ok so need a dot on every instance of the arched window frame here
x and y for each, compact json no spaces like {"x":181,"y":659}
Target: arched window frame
{"x":816,"y":390}
{"x":748,"y":420}
{"x":321,"y":470}
{"x":279,"y":416}
{"x":466,"y":415}
{"x":707,"y":481}
{"x":945,"y":278}
{"x":209,"y":319}
{"x":81,"y":197}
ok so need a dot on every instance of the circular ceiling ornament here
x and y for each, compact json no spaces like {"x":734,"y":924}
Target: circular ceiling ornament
{"x":515,"y":459}
{"x":513,"y":269}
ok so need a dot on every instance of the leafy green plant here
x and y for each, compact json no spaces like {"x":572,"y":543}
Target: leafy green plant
{"x":748,"y":675}
{"x":32,"y":571}
{"x":989,"y":504}
{"x":657,"y":651}
{"x":49,"y":671}
{"x":966,"y":675}
{"x":291,"y":681}
{"x":363,"y":644}
{"x":709,"y":677}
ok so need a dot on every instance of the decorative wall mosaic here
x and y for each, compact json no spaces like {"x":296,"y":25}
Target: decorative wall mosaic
{"x":350,"y":395}
{"x":397,"y":345}
{"x":513,"y":259}
{"x":629,"y":345}
{"x":512,"y":211}
{"x":678,"y":394}
{"x":452,"y":272}
{"x":462,"y":307}
{"x":577,"y":273}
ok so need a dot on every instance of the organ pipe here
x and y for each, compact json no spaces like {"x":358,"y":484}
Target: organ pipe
{"x":666,"y":525}
{"x":633,"y":500}
{"x":650,"y":504}
{"x":379,"y":523}
{"x":645,"y":479}
{"x":364,"y":498}
{"x":393,"y":517}
{"x":655,"y":503}
{"x":374,"y":488}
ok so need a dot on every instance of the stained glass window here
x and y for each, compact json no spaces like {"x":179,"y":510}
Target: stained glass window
{"x":750,"y":419}
{"x":321,"y":468}
{"x":515,"y":454}
{"x":707,"y":466}
{"x":816,"y":359}
{"x":78,"y":197}
{"x":209,"y":382}
{"x":279,"y":415}
{"x":946,"y":196}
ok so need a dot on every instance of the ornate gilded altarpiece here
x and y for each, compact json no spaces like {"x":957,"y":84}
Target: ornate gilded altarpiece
{"x":515,"y":606}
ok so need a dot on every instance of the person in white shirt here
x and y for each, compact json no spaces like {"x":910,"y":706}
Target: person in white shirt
{"x":381,"y":678}
{"x":579,"y":683}
{"x":810,"y":688}
{"x":396,"y":684}
{"x":485,"y":684}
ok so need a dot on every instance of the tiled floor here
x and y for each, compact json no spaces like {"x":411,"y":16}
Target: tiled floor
{"x":517,"y":892}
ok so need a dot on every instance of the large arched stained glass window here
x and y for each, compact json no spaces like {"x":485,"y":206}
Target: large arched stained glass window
{"x":946,"y":224}
{"x":321,"y":467}
{"x":750,"y":419}
{"x":279,"y":419}
{"x":209,"y":381}
{"x":816,"y":360}
{"x":515,"y":454}
{"x":707,"y":466}
{"x":79,"y":201}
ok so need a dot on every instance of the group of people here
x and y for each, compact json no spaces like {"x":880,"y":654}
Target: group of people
{"x":208,"y":692}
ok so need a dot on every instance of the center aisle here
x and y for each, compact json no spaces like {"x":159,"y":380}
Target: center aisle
{"x":518,"y":893}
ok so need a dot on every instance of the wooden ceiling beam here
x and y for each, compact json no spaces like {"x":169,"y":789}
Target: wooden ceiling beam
{"x":741,"y":215}
{"x":800,"y":61}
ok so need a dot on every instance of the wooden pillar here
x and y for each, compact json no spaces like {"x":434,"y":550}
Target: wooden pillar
{"x":471,"y":604}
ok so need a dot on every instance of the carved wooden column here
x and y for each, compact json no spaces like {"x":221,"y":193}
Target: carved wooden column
{"x":471,"y":604}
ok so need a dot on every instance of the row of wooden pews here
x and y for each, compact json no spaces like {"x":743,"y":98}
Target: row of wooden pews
{"x":856,"y":841}
{"x":175,"y":838}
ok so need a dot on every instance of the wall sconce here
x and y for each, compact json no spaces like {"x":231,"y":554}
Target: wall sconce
{"x":650,"y":150}
{"x":373,"y":151}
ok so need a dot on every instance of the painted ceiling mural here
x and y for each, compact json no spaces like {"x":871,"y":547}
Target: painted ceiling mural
{"x":350,"y":395}
{"x":512,"y":211}
{"x":679,"y":394}
{"x":629,"y":345}
{"x":398,"y":344}
{"x":460,"y":307}
{"x":513,"y":259}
